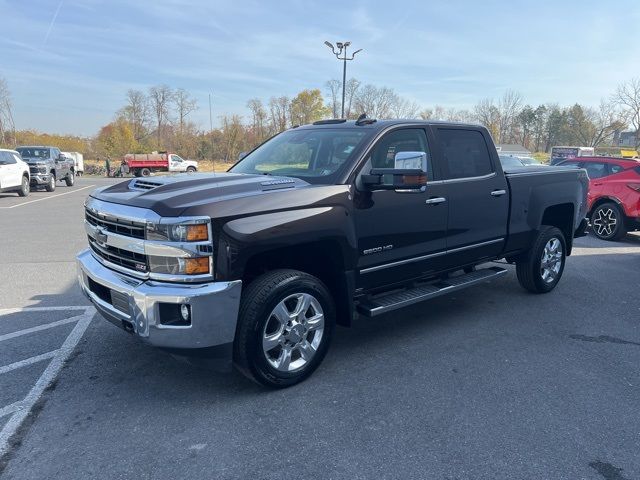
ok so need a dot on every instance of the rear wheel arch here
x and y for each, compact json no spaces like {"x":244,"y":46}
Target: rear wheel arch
{"x":561,"y":216}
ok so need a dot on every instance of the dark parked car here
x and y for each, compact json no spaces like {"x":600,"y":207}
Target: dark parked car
{"x":48,"y":165}
{"x":319,"y":222}
{"x":614,"y":194}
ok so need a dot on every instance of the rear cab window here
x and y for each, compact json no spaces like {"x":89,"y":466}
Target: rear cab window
{"x":465,"y":153}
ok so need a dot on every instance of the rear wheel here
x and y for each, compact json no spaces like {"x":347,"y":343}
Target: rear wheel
{"x":24,"y":187}
{"x":145,"y":172}
{"x":70,"y":179}
{"x":607,"y":222}
{"x":51,"y":186}
{"x":540,"y":270}
{"x":284,"y":328}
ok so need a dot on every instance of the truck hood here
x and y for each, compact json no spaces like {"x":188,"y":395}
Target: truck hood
{"x":214,"y":195}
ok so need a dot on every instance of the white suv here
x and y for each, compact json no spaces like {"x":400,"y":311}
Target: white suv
{"x":14,"y":173}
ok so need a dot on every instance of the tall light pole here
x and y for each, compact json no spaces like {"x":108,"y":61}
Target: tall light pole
{"x":342,"y":50}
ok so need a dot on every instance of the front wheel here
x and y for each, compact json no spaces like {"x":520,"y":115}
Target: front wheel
{"x":607,"y":222}
{"x":284,"y":328}
{"x":539,"y":271}
{"x":24,"y":187}
{"x":191,"y":169}
{"x":51,"y":186}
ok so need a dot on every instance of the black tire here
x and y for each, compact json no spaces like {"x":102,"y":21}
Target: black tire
{"x":70,"y":179}
{"x":607,"y":222}
{"x":145,"y":172}
{"x":530,"y":267}
{"x":51,"y":186}
{"x":257,"y":306}
{"x":25,"y":188}
{"x":191,"y":169}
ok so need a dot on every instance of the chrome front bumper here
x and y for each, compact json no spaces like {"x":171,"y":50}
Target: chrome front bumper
{"x":134,"y":305}
{"x":39,"y":178}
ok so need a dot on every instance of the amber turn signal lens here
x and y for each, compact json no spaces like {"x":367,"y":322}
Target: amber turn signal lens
{"x":195,"y":266}
{"x":196,"y":233}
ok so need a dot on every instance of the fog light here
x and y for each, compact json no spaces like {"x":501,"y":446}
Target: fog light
{"x":184,"y":311}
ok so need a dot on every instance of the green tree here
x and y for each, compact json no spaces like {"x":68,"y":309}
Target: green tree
{"x":308,"y":107}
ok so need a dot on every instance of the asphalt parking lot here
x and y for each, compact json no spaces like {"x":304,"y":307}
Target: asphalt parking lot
{"x":490,"y":383}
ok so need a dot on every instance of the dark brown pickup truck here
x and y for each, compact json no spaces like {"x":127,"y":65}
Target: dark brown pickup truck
{"x":320,"y":222}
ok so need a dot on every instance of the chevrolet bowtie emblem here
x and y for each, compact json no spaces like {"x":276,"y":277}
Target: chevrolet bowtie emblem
{"x":101,"y":237}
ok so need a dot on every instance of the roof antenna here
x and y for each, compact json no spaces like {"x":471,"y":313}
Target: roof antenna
{"x":363,"y":120}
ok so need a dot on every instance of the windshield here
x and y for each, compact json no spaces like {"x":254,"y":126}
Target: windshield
{"x":311,"y":154}
{"x":508,"y":161}
{"x":33,"y":152}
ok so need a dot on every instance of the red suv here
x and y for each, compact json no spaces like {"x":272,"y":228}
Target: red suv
{"x":614,"y":194}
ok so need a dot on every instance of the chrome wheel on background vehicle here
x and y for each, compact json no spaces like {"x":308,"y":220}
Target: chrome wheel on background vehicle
{"x":551,"y":260}
{"x":25,"y":188}
{"x":607,"y":222}
{"x":51,"y":186}
{"x":293,"y":332}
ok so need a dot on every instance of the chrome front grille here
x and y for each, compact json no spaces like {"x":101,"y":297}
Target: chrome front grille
{"x":116,"y":225}
{"x":124,"y":258}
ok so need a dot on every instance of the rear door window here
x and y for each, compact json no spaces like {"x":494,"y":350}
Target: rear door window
{"x":613,"y":168}
{"x":596,"y":169}
{"x":465,"y":153}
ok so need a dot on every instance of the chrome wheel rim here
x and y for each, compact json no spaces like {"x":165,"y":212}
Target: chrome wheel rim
{"x":604,"y":222}
{"x":551,"y":260}
{"x":293,"y":332}
{"x":25,"y":186}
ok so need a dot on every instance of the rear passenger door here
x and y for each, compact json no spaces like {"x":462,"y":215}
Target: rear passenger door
{"x":477,"y":194}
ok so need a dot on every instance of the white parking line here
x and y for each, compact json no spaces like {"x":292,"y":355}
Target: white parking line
{"x":49,"y":197}
{"x":46,"y":326}
{"x":28,"y":361}
{"x":21,"y":409}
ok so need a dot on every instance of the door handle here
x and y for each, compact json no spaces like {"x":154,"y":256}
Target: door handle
{"x":498,"y":193}
{"x":435,"y":200}
{"x":597,"y":184}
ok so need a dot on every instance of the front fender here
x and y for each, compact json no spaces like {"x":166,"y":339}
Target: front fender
{"x":243,"y":238}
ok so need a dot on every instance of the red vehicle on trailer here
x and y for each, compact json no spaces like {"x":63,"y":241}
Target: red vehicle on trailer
{"x":614,"y":194}
{"x":143,"y":164}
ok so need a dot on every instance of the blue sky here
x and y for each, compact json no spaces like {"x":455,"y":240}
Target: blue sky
{"x":69,"y":63}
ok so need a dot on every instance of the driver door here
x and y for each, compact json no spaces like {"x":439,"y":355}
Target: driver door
{"x":401,"y":234}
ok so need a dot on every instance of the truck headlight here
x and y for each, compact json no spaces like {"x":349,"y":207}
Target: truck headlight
{"x":179,"y":266}
{"x":178,"y":232}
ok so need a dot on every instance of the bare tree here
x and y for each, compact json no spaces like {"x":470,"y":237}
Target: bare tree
{"x":279,"y":111}
{"x":7,"y":125}
{"x":403,"y":108}
{"x":333,"y":88}
{"x":374,"y":101}
{"x":184,"y":104}
{"x":488,"y":115}
{"x":160,"y":98}
{"x":627,"y":97}
{"x":508,"y":109}
{"x":258,"y":119}
{"x":352,"y":87}
{"x":136,"y":112}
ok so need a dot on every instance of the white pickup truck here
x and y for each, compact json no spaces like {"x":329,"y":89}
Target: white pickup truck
{"x":14,"y":173}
